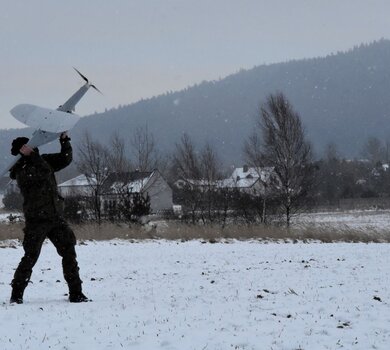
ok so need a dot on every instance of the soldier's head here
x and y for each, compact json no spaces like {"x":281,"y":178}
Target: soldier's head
{"x":17,"y":145}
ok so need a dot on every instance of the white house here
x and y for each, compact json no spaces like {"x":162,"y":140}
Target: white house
{"x":78,"y":186}
{"x":256,"y":181}
{"x":146,"y":183}
{"x":116,"y":184}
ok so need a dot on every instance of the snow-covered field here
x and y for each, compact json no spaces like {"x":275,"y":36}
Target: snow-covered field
{"x":4,"y":217}
{"x":170,"y":295}
{"x":376,"y":220}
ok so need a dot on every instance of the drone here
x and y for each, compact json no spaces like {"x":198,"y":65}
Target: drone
{"x":48,"y":123}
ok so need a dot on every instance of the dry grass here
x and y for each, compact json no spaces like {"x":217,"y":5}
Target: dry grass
{"x":179,"y":231}
{"x":11,"y":231}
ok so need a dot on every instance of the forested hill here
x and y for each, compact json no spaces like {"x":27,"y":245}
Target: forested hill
{"x":343,"y":98}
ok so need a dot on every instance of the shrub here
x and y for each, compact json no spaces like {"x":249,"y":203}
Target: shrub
{"x":75,"y":210}
{"x":13,"y":201}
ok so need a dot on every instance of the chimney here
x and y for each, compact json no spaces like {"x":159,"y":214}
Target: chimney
{"x":245,"y":168}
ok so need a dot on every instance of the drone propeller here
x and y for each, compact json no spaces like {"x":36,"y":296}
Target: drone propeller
{"x":93,"y":86}
{"x":87,"y":81}
{"x":84,"y":77}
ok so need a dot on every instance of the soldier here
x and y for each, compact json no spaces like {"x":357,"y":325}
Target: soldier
{"x":42,"y":209}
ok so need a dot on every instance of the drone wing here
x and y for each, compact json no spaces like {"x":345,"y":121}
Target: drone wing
{"x":45,"y":119}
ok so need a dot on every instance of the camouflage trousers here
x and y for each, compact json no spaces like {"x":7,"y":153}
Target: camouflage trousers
{"x":63,"y":238}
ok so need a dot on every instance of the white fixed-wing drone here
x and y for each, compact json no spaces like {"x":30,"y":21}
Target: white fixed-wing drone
{"x":49,"y":123}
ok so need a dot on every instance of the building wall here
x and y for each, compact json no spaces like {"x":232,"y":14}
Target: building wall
{"x":161,"y":196}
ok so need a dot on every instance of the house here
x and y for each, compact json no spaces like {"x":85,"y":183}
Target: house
{"x":8,"y":186}
{"x":255,"y":181}
{"x":4,"y":181}
{"x":203,"y":185}
{"x":127,"y":183}
{"x":150,"y":183}
{"x":78,"y":186}
{"x":3,"y":185}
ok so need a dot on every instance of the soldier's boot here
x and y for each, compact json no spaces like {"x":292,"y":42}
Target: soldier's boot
{"x":78,"y":298}
{"x":76,"y":295}
{"x":16,"y":296}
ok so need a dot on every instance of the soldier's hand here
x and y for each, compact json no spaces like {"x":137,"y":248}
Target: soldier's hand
{"x":26,"y":150}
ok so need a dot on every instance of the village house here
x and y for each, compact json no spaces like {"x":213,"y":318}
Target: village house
{"x":116,"y":185}
{"x":8,"y":186}
{"x":254,"y":181}
{"x":78,"y":186}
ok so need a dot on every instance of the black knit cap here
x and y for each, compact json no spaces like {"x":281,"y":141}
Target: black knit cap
{"x":17,"y":145}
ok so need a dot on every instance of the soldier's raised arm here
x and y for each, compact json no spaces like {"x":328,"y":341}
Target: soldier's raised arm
{"x":59,"y":161}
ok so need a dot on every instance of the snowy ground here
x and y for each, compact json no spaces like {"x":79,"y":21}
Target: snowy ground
{"x":4,"y":217}
{"x":376,"y":220}
{"x":170,"y":295}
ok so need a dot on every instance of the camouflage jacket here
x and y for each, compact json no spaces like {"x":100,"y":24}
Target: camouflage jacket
{"x":35,"y":177}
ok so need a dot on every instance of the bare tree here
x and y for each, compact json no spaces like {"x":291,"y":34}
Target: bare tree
{"x":94,"y":163}
{"x":331,"y":153}
{"x":255,"y":159}
{"x":286,"y":150}
{"x":147,"y":158}
{"x":210,"y":165}
{"x":210,"y":169}
{"x":374,"y":150}
{"x":186,"y":160}
{"x":253,"y":151}
{"x":201,"y":173}
{"x":330,"y":175}
{"x":144,"y":150}
{"x":186,"y":167}
{"x":102,"y":164}
{"x":119,"y":161}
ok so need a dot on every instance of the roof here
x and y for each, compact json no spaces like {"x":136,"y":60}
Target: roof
{"x":247,"y":177}
{"x":199,"y":183}
{"x":80,"y":180}
{"x":133,"y":181}
{"x":241,"y":178}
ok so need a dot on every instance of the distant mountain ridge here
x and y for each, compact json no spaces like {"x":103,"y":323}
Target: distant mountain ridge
{"x":343,"y":98}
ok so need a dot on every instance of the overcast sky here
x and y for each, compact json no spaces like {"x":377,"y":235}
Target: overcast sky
{"x":138,"y":49}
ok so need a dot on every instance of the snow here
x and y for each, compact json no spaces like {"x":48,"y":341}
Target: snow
{"x":365,"y":221}
{"x":80,"y":180}
{"x":240,"y":178}
{"x":247,"y":177}
{"x":4,"y":216}
{"x":372,"y":220}
{"x":132,"y":187}
{"x":173,"y":295}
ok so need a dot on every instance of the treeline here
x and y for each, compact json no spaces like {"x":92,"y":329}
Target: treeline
{"x":339,"y":178}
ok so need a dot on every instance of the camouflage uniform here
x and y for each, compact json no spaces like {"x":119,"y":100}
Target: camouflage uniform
{"x":42,"y":209}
